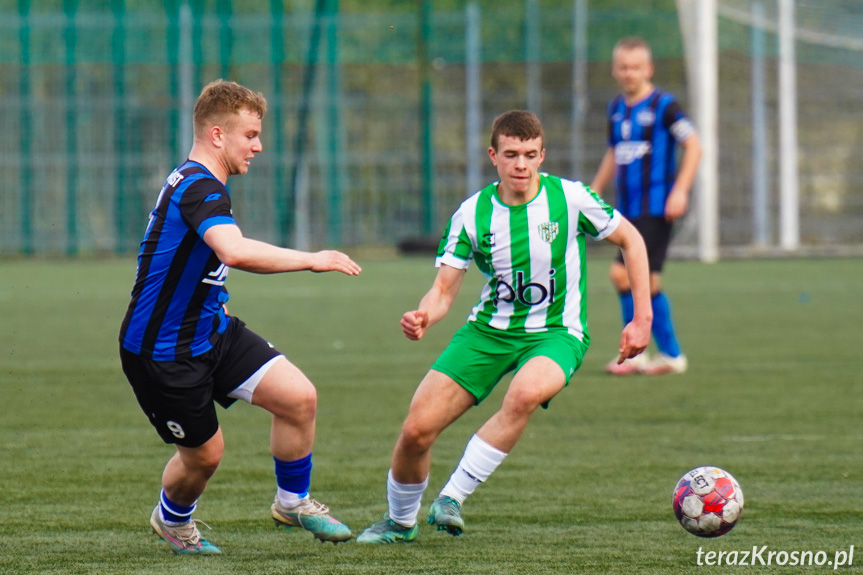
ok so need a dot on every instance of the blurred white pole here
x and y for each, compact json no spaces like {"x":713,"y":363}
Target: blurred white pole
{"x":760,"y":172}
{"x":186,"y":71}
{"x":473,"y":114}
{"x":579,"y":90}
{"x":302,"y":228}
{"x":707,"y":123}
{"x":789,"y":208}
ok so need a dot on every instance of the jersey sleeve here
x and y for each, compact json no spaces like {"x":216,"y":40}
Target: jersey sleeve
{"x":676,"y":122}
{"x":455,"y":248}
{"x":204,"y":204}
{"x":596,"y":218}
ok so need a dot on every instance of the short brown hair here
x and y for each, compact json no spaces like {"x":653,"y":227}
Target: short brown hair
{"x":220,"y":100}
{"x":519,"y":124}
{"x":632,"y":43}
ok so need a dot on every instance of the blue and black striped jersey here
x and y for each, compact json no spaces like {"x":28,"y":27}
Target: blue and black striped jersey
{"x":643,"y":137}
{"x":176,"y":309}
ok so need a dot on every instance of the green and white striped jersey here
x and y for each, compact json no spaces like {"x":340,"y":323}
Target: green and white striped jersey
{"x":533,"y":254}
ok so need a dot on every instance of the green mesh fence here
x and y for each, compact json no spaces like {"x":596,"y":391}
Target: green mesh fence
{"x":366,"y":138}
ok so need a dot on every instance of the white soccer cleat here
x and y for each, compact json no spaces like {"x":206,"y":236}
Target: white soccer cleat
{"x":630,"y":366}
{"x":664,"y":364}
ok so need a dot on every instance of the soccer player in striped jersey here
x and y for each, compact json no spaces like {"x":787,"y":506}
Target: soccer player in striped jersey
{"x":526,"y":234}
{"x":645,"y":125}
{"x":181,"y":351}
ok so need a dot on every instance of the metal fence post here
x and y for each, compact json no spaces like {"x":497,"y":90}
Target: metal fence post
{"x":118,"y":54}
{"x":426,"y":118}
{"x":295,"y":217}
{"x":172,"y":39}
{"x":760,"y":169}
{"x":579,"y":88}
{"x":335,"y":165}
{"x":533,"y":56}
{"x":70,"y":37}
{"x":473,"y":87}
{"x":226,"y":38}
{"x":277,"y":55}
{"x":25,"y":131}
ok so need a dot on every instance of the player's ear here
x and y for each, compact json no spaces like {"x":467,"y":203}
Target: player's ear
{"x":492,"y":153}
{"x":216,"y":135}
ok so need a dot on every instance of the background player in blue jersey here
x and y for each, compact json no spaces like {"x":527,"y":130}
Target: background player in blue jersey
{"x":644,"y":126}
{"x":180,"y":350}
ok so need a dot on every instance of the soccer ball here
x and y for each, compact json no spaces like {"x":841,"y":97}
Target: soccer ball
{"x":707,"y":501}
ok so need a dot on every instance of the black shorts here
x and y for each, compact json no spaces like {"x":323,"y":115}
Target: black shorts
{"x":657,"y":235}
{"x":178,"y":396}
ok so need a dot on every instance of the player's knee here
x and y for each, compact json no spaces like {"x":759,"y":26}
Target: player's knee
{"x":415,"y":438}
{"x":203,"y":462}
{"x":522,"y":401}
{"x":299,"y":406}
{"x":208,"y":466}
{"x":308,"y":403}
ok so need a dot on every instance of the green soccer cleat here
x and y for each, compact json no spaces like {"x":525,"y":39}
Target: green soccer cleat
{"x":313,"y":516}
{"x":445,"y":512}
{"x":184,"y":539}
{"x":388,"y":531}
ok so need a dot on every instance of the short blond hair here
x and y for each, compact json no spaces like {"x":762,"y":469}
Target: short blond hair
{"x":632,"y":43}
{"x":221,"y":100}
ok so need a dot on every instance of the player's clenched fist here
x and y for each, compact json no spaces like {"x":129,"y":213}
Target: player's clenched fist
{"x":414,"y":324}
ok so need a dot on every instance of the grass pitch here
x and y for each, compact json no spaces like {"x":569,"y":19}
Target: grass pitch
{"x":773,"y":395}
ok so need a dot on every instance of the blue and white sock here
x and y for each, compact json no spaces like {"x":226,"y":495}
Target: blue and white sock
{"x":404,"y":500}
{"x":173,"y":513}
{"x":293,"y":479}
{"x":478,"y":462}
{"x":662,"y":327}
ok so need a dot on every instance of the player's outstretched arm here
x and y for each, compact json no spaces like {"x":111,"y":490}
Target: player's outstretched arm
{"x":636,"y":334}
{"x":435,"y":304}
{"x":242,"y":253}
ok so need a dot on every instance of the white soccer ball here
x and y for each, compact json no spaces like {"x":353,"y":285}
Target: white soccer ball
{"x":707,"y":501}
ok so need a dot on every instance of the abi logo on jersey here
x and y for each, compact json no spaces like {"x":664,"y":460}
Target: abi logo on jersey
{"x":529,"y":294}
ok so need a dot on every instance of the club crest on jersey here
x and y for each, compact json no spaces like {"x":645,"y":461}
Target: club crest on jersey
{"x":645,"y":117}
{"x":548,"y":231}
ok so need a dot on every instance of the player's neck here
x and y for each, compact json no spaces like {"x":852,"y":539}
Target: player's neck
{"x":209,"y":161}
{"x":517,"y":198}
{"x":640,"y":94}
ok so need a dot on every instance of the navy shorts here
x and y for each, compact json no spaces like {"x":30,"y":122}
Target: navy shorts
{"x":656,"y":232}
{"x":179,"y":396}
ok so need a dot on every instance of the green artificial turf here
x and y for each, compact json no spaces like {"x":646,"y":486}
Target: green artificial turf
{"x":773,"y":395}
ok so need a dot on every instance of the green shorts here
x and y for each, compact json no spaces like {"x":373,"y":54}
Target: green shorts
{"x":479,"y":356}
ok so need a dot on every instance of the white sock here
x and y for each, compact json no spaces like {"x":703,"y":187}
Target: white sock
{"x":404,"y":500}
{"x":288,"y":499}
{"x":478,"y":462}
